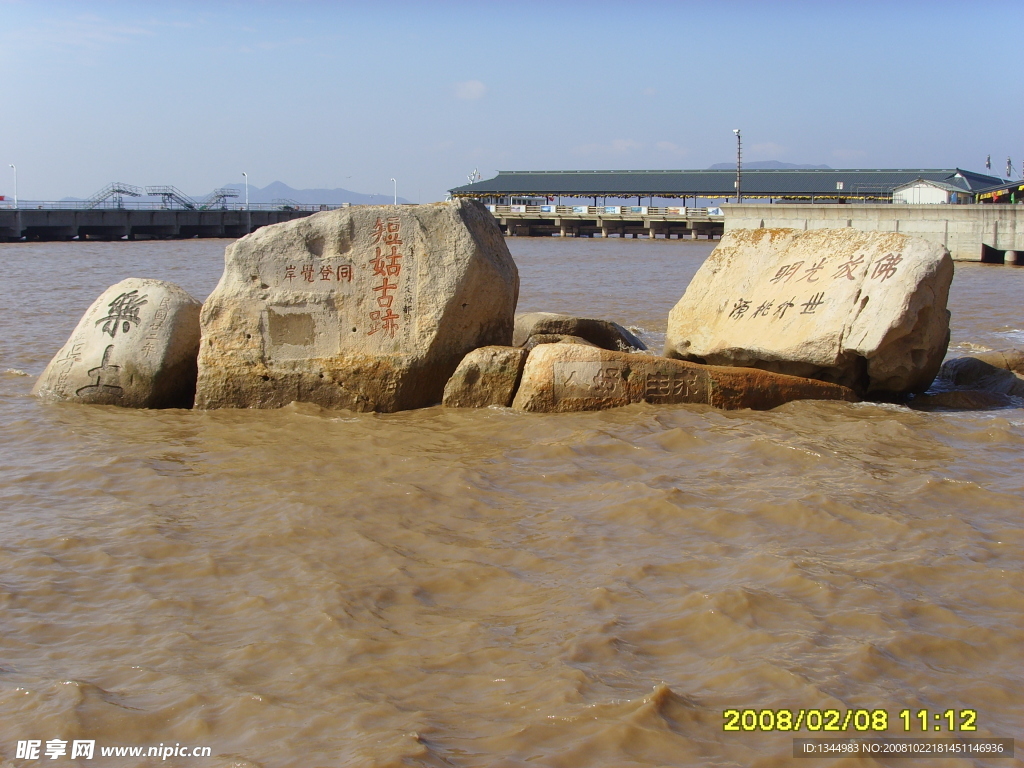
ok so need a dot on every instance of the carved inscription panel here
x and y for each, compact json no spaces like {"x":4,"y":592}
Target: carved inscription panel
{"x":589,"y":379}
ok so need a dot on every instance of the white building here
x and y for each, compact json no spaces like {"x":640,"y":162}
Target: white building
{"x":924,"y":191}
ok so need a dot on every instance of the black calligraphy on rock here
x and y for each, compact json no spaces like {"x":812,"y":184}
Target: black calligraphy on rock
{"x":108,"y":378}
{"x":796,"y":272}
{"x":122,"y":312}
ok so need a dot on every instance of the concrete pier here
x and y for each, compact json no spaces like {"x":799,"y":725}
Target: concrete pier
{"x":607,"y":221}
{"x":116,"y":223}
{"x":971,"y":232}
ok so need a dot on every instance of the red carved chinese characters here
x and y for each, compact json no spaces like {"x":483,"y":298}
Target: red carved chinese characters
{"x":386,"y":237}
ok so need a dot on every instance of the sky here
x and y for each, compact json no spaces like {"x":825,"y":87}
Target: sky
{"x":351,"y":95}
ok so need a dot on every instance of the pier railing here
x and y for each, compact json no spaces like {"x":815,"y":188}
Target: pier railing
{"x":80,"y":205}
{"x":681,"y":212}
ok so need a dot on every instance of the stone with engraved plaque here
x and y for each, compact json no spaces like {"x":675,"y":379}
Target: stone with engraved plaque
{"x":569,"y":377}
{"x":369,"y":308}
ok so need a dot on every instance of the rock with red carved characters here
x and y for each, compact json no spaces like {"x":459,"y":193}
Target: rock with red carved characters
{"x":369,"y":308}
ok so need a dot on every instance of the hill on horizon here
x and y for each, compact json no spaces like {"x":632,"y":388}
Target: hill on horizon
{"x":278,"y":190}
{"x":768,"y":165}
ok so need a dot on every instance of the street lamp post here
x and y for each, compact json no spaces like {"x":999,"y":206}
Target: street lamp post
{"x":15,"y":183}
{"x":739,"y":164}
{"x":396,"y":190}
{"x":248,"y":216}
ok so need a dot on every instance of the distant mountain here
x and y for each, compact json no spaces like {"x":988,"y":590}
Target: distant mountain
{"x":278,"y":190}
{"x":768,"y":165}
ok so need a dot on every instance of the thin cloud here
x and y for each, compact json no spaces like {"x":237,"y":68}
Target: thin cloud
{"x":470,"y":90}
{"x":84,"y":32}
{"x":671,"y":148}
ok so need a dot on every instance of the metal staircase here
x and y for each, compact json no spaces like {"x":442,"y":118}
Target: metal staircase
{"x":115,"y":191}
{"x":173,"y":197}
{"x":217,"y":198}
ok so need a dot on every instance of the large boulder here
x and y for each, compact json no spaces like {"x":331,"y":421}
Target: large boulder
{"x":369,"y":308}
{"x":601,"y":333}
{"x":486,"y":376}
{"x":572,"y":377}
{"x":862,"y":309}
{"x":136,"y":347}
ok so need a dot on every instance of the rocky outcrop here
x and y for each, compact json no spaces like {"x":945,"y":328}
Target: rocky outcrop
{"x":135,"y":347}
{"x":369,"y":308}
{"x":862,"y":309}
{"x":486,"y":376}
{"x":566,"y":377}
{"x":601,"y":333}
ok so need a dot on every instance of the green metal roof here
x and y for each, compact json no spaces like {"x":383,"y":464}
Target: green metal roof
{"x":756,"y":183}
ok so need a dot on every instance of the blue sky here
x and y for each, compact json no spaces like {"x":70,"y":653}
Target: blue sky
{"x":319,"y":94}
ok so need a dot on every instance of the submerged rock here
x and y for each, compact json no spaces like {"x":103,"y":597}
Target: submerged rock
{"x":555,"y":338}
{"x":486,"y":376}
{"x":601,"y":333}
{"x":566,"y":377}
{"x":136,"y":347}
{"x":1007,"y":359}
{"x":977,"y":374}
{"x":369,"y":308}
{"x":863,"y":309}
{"x":961,"y":400}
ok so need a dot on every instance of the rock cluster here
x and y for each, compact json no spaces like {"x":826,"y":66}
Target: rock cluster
{"x":389,"y":308}
{"x":136,"y":347}
{"x":862,"y":309}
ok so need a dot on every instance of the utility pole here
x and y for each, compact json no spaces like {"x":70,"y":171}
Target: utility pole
{"x":739,"y":165}
{"x":248,"y":215}
{"x":15,"y":183}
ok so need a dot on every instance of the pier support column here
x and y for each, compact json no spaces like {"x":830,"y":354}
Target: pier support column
{"x":693,"y":234}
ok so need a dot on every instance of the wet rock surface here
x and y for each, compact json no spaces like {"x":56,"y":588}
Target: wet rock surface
{"x":567,"y":377}
{"x":486,"y":376}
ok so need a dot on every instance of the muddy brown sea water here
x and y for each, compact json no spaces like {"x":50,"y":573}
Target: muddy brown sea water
{"x":311,"y":588}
